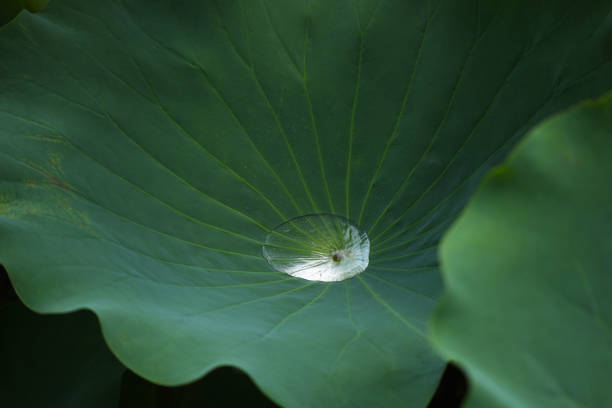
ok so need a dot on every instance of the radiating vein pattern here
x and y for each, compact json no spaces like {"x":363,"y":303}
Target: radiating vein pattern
{"x":148,"y":153}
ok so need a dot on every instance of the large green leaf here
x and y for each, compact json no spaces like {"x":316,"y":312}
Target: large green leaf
{"x":147,"y":150}
{"x":528,"y":268}
{"x":55,"y":361}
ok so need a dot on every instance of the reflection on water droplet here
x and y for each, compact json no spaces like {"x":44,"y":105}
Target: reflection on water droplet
{"x":319,"y":247}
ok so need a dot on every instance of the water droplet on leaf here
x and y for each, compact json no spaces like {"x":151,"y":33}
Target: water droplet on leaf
{"x":318,"y":247}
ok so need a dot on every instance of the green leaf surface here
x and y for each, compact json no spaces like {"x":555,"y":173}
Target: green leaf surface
{"x":55,"y":361}
{"x":528,"y":269}
{"x":148,"y":149}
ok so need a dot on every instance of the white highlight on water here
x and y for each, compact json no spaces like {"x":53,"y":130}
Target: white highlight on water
{"x":318,"y":247}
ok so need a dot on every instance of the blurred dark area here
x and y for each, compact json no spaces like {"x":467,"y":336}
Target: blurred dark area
{"x":7,"y":293}
{"x":451,"y":390}
{"x":9,"y":9}
{"x":223,"y":387}
{"x":8,"y":12}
